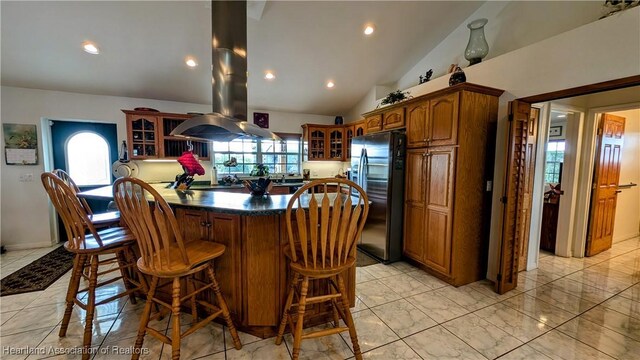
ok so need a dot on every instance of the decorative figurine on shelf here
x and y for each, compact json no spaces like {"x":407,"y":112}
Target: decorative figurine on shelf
{"x":191,"y":167}
{"x":426,"y":77}
{"x":457,"y":77}
{"x":124,"y":153}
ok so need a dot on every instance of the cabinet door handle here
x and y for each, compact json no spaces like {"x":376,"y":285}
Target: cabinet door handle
{"x":202,"y":223}
{"x":428,"y":139}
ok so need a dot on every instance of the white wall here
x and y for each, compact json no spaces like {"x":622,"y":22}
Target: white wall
{"x":627,"y":224}
{"x":24,"y":208}
{"x":577,"y":57}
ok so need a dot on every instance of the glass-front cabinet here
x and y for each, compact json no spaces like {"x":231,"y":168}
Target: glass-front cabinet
{"x":336,"y":143}
{"x":143,"y":138}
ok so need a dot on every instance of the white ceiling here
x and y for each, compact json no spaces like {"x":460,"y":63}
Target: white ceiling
{"x":143,"y":46}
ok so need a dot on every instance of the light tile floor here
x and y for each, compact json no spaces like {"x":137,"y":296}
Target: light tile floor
{"x":568,"y":308}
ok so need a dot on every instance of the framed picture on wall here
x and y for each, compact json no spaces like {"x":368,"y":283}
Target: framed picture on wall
{"x":555,"y":131}
{"x":261,"y":119}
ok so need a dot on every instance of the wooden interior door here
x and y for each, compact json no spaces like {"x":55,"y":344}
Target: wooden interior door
{"x":605,"y":183}
{"x":516,"y":172}
{"x":532,"y":130}
{"x":439,"y":209}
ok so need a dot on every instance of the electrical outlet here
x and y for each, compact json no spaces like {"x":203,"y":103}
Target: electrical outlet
{"x":26,"y":178}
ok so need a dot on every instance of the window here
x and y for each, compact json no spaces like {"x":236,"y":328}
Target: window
{"x":87,"y":156}
{"x":280,"y":156}
{"x":555,"y":158}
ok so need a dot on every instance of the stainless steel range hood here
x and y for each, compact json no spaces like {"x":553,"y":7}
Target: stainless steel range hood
{"x":228,"y":120}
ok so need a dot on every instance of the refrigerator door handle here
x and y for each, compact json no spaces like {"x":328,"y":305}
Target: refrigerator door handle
{"x":364,"y":170}
{"x":360,"y":165}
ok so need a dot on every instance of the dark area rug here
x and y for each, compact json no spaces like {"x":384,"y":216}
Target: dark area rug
{"x":363,"y":259}
{"x":39,"y":274}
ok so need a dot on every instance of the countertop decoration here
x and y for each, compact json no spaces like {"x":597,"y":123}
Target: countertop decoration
{"x":191,"y":167}
{"x":260,"y":187}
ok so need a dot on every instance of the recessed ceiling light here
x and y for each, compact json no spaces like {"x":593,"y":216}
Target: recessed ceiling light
{"x":330,"y":84}
{"x":369,"y":29}
{"x":269,"y":75}
{"x":191,"y":62}
{"x":562,"y":116}
{"x":90,"y":48}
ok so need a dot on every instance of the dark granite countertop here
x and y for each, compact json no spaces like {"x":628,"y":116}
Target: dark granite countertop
{"x":219,"y":201}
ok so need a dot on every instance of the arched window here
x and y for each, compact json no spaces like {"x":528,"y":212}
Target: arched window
{"x":88,"y":161}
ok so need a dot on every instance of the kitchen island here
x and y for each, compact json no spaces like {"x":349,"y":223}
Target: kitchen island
{"x":253,"y":271}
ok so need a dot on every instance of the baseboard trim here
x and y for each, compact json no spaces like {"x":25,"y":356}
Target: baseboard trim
{"x":625,"y":237}
{"x":17,"y":247}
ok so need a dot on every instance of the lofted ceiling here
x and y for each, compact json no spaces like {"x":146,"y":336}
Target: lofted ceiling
{"x":144,"y":45}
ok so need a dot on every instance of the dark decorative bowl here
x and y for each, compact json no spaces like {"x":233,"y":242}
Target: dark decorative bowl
{"x":259,"y":187}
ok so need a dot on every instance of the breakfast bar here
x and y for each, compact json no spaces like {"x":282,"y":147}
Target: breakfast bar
{"x":253,"y":271}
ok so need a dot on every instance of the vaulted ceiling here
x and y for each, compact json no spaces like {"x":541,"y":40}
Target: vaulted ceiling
{"x":144,"y":44}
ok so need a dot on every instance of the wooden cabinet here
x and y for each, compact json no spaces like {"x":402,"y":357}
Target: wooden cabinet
{"x":450,"y":135}
{"x":440,"y":167}
{"x":149,"y":136}
{"x":373,"y":123}
{"x":393,"y":119}
{"x":349,"y":132}
{"x":141,"y":136}
{"x":443,"y":120}
{"x":417,"y":119}
{"x":359,"y":128}
{"x":196,"y":224}
{"x":336,"y":143}
{"x":315,"y":140}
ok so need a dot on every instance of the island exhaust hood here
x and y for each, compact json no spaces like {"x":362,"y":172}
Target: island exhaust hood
{"x":228,"y":120}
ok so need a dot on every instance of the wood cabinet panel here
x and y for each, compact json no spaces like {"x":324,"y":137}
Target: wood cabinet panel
{"x":260,"y":253}
{"x":443,"y":120}
{"x":417,"y":121}
{"x":193,"y":224}
{"x":373,"y":123}
{"x":349,"y":133}
{"x":439,"y":199}
{"x":393,"y":119}
{"x":438,"y":245}
{"x":336,"y":143}
{"x":225,"y":229}
{"x":414,"y":209}
{"x":359,"y":128}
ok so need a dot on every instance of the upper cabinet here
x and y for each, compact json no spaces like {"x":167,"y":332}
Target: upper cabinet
{"x":393,"y":119}
{"x":373,"y":123}
{"x":330,"y":142}
{"x":433,"y":122}
{"x":148,"y":136}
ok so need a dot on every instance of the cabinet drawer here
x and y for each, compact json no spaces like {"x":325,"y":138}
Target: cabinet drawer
{"x":393,"y":119}
{"x":373,"y":123}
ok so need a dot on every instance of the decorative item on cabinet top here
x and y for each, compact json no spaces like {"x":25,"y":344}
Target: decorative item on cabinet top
{"x":477,"y":47}
{"x":148,"y":136}
{"x":395,"y":97}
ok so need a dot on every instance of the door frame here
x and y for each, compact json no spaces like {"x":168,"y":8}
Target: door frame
{"x":587,"y":165}
{"x":47,"y":160}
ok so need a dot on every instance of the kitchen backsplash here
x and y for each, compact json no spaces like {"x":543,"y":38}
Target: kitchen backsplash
{"x":167,"y":171}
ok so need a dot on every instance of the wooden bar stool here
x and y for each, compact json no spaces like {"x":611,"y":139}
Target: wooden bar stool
{"x":321,"y":246}
{"x":88,"y":245}
{"x":99,"y":220}
{"x":166,"y":257}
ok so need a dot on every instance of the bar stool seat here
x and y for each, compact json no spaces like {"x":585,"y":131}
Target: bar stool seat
{"x":110,"y":237}
{"x":108,"y":218}
{"x":199,"y":253}
{"x":299,"y":267}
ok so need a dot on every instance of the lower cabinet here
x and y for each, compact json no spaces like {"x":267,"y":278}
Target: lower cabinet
{"x":224,"y":229}
{"x":428,"y":205}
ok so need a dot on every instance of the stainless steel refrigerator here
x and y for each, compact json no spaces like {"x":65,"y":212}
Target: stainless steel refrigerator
{"x":377,"y":165}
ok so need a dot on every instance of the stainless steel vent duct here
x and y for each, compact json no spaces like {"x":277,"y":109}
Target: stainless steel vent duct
{"x":228,"y":120}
